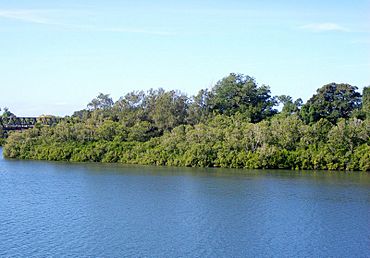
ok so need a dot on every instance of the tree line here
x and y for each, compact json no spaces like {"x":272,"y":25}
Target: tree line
{"x":6,"y":114}
{"x":235,"y":124}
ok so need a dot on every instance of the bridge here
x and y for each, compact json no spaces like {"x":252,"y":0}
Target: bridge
{"x":22,"y":123}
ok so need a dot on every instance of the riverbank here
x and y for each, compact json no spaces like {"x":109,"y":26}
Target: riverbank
{"x":178,"y":148}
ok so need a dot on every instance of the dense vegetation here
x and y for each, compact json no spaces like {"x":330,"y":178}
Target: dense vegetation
{"x":235,"y":124}
{"x":5,"y":115}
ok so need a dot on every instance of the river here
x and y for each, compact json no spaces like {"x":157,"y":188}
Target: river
{"x":110,"y":210}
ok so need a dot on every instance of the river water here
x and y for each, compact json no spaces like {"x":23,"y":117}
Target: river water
{"x":109,"y":210}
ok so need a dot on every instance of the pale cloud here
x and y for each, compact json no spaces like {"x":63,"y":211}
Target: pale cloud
{"x":133,"y":30}
{"x":30,"y":16}
{"x":51,"y":17}
{"x":323,"y":27}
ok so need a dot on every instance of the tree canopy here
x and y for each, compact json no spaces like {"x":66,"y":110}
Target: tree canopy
{"x":332,"y":101}
{"x":234,"y":124}
{"x":102,"y":101}
{"x":240,"y":93}
{"x":366,"y":101}
{"x":7,"y":113}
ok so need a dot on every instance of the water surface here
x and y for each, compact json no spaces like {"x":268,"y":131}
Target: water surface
{"x":109,"y":210}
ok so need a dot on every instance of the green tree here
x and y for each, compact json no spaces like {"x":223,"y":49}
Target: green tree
{"x":290,"y":106}
{"x":240,"y":93}
{"x":332,"y":101}
{"x":7,"y":113}
{"x":366,"y":101}
{"x":102,"y":101}
{"x":82,"y":114}
{"x":348,"y":134}
{"x":167,"y":109}
{"x":316,"y":135}
{"x":286,"y":132}
{"x":2,"y":133}
{"x":217,"y":128}
{"x":130,"y":109}
{"x":199,"y":108}
{"x":141,"y":131}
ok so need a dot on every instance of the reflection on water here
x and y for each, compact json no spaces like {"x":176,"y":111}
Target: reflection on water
{"x":114,"y":210}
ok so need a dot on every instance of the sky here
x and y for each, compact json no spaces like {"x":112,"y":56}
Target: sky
{"x":55,"y":56}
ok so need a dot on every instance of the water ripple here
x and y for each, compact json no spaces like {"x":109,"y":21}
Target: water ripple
{"x":94,"y":210}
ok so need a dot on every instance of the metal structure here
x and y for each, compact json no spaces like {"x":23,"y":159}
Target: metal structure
{"x":22,"y":123}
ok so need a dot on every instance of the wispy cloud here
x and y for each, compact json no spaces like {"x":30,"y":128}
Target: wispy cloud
{"x":51,"y":17}
{"x":30,"y":16}
{"x":323,"y":27}
{"x":121,"y":30}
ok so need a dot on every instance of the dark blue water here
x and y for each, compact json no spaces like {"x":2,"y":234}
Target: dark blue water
{"x":101,"y":210}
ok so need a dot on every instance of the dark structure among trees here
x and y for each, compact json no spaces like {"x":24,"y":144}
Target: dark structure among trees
{"x":21,"y":123}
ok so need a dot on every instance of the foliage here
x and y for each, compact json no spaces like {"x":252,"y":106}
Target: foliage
{"x":332,"y":101}
{"x":239,"y":93}
{"x":289,"y":106}
{"x":7,"y":113}
{"x":366,"y":102}
{"x":102,"y":101}
{"x":233,"y":125}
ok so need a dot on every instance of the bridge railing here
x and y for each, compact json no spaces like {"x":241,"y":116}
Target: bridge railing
{"x":19,"y":123}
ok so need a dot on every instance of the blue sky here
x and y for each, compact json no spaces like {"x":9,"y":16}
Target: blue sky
{"x":58,"y":55}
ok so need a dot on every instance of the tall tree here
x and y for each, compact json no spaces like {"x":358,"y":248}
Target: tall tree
{"x":366,"y":101}
{"x":7,"y":113}
{"x":102,"y":101}
{"x":239,"y":93}
{"x":167,"y":109}
{"x":332,"y":101}
{"x":290,"y":106}
{"x":199,"y":109}
{"x":131,"y":108}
